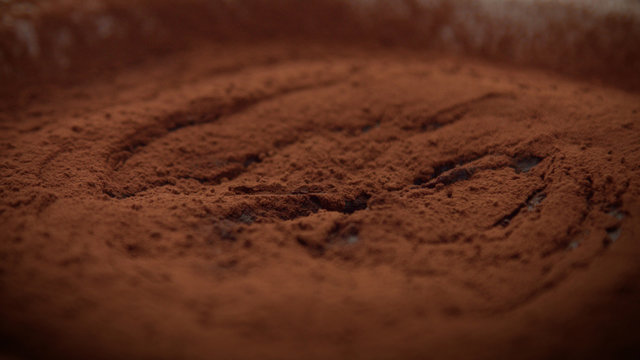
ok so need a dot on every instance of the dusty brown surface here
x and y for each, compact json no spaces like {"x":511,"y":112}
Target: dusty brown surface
{"x":278,"y":202}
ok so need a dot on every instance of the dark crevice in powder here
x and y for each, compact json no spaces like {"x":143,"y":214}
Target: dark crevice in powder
{"x":452,"y":171}
{"x":506,"y":220}
{"x":525,"y":164}
{"x":452,"y":177}
{"x":117,"y":195}
{"x":535,"y":200}
{"x":439,"y":173}
{"x":365,"y":129}
{"x":209,"y":110}
{"x":283,"y":206}
{"x":314,"y":249}
{"x":614,"y":211}
{"x":251,"y":159}
{"x":191,"y":120}
{"x":359,"y":203}
{"x":233,"y":172}
{"x":340,"y":237}
{"x":532,"y":200}
{"x":613,"y":233}
{"x":454,"y":113}
{"x":343,"y":234}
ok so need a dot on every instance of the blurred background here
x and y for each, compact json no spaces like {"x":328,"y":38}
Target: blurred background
{"x":45,"y":40}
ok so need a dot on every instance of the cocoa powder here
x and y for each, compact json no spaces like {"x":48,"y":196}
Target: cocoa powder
{"x":336,"y":201}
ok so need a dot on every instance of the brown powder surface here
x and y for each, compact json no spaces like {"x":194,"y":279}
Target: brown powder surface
{"x":259,"y":201}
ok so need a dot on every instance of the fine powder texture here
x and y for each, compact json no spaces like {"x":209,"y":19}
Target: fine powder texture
{"x":255,"y":202}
